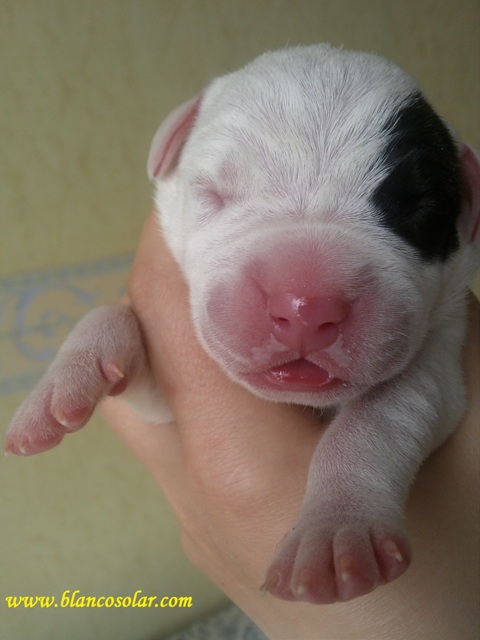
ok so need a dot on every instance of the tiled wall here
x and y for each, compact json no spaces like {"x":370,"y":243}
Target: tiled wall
{"x":83,"y":86}
{"x":38,"y":309}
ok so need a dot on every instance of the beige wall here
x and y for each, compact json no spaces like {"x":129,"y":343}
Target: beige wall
{"x":83,"y":86}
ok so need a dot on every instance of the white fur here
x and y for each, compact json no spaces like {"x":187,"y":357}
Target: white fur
{"x":264,"y":183}
{"x":277,"y":152}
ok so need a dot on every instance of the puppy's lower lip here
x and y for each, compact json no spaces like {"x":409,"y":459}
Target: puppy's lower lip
{"x":299,"y":375}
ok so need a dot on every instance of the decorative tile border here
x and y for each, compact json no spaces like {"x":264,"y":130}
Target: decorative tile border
{"x":229,"y":624}
{"x":38,"y":309}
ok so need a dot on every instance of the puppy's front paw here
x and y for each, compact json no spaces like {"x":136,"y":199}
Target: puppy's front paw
{"x":100,"y":357}
{"x":63,"y":402}
{"x":323,"y":563}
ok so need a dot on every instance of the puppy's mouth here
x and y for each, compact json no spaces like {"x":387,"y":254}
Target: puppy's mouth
{"x":297,"y":375}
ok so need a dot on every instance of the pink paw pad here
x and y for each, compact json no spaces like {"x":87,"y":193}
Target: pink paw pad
{"x":99,"y":358}
{"x":63,"y":404}
{"x":329,"y":567}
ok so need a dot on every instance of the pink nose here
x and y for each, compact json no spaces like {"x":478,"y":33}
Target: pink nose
{"x":306,"y":324}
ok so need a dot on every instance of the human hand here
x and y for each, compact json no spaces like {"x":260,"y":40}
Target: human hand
{"x":234,"y":468}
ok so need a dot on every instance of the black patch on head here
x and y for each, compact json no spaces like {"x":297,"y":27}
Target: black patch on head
{"x":420,"y":198}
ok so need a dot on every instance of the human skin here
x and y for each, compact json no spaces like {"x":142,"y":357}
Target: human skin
{"x":234,"y":469}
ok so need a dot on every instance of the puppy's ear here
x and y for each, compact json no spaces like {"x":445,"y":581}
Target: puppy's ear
{"x":470,"y":216}
{"x":171,"y":137}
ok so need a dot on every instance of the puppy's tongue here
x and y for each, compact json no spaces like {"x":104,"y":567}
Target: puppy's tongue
{"x":299,"y":373}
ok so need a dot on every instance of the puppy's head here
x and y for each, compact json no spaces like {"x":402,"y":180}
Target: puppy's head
{"x":316,"y":204}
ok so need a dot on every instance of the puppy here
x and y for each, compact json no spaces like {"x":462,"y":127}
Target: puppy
{"x":327,"y":223}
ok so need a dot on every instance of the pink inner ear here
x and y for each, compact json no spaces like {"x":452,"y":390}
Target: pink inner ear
{"x":470,"y":219}
{"x":171,"y":136}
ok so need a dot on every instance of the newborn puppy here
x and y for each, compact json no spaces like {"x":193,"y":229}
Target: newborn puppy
{"x":327,"y":223}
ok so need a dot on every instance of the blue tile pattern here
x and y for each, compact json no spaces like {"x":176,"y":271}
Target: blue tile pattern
{"x":230,"y":624}
{"x":38,"y":309}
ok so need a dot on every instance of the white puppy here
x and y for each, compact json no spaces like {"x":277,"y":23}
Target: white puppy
{"x":326,"y":222}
